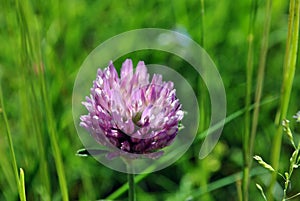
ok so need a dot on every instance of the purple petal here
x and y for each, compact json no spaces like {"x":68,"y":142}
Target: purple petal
{"x":127,"y":69}
{"x":141,"y":71}
{"x":129,"y":114}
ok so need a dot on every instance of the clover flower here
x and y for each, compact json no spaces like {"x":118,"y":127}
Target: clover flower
{"x":129,"y":112}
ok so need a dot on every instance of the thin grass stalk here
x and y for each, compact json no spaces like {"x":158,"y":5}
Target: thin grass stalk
{"x":36,"y":54}
{"x":238,"y":185}
{"x":53,"y":140}
{"x":249,"y":71}
{"x":5,"y":160}
{"x":54,"y":143}
{"x":260,"y":79}
{"x":11,"y":146}
{"x":7,"y":173}
{"x":31,"y":122}
{"x":30,"y":54}
{"x":288,"y":77}
{"x":202,"y":94}
{"x":42,"y":157}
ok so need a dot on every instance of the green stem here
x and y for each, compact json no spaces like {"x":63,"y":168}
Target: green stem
{"x":246,"y":149}
{"x":260,"y":74}
{"x":293,"y":161}
{"x":54,"y":144}
{"x":289,"y":72}
{"x":245,"y":181}
{"x":130,"y":177}
{"x":11,"y":147}
{"x":30,"y":56}
{"x":258,"y":94}
{"x":202,"y":92}
{"x":124,"y":188}
{"x":131,"y":189}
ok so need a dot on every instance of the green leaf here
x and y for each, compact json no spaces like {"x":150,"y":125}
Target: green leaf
{"x":90,"y":152}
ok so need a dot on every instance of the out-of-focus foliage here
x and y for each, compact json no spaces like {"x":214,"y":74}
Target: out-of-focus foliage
{"x":62,"y":33}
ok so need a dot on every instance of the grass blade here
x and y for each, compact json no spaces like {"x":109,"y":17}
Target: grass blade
{"x":288,"y":77}
{"x":10,"y":143}
{"x":249,"y":139}
{"x":54,"y":144}
{"x":249,"y":71}
{"x":22,"y":185}
{"x":32,"y":54}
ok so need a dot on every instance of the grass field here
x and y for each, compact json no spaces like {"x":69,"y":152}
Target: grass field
{"x":254,"y":46}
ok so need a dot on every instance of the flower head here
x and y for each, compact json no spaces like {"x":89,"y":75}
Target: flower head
{"x":130,"y":112}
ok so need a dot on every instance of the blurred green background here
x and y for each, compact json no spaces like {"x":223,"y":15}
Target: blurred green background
{"x":43,"y":44}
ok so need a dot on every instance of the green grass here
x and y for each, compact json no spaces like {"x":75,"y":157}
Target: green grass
{"x":289,"y":69}
{"x":44,"y":43}
{"x":19,"y":179}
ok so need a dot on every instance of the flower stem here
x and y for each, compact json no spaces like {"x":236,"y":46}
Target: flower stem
{"x":130,"y":177}
{"x":131,"y":189}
